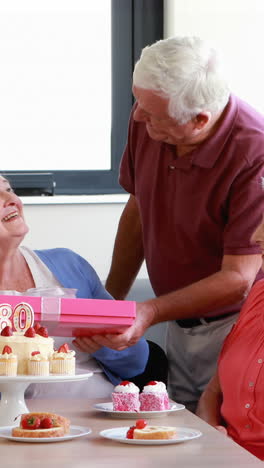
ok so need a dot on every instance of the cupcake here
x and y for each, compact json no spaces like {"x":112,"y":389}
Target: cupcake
{"x":154,"y":397}
{"x":38,"y":364}
{"x":8,"y":362}
{"x":125,"y":397}
{"x":63,"y":361}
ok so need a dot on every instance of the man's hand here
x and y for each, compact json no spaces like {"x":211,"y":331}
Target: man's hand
{"x":85,"y":344}
{"x":144,"y":318}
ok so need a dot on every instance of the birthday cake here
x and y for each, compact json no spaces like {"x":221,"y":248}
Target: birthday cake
{"x":23,"y":345}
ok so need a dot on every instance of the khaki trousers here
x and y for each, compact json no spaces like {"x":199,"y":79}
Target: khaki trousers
{"x":192,"y":355}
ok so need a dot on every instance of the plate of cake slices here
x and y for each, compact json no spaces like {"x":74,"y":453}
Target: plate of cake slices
{"x":129,"y":402}
{"x":108,"y":409}
{"x":74,"y":432}
{"x":151,"y":435}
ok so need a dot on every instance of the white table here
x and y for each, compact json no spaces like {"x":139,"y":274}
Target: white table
{"x":212,"y":450}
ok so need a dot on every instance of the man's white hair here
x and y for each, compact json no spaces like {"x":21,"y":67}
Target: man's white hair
{"x":185,"y":70}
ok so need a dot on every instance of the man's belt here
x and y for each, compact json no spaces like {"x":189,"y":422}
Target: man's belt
{"x":195,"y":322}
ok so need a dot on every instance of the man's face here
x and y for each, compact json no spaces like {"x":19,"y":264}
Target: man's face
{"x":153,"y":110}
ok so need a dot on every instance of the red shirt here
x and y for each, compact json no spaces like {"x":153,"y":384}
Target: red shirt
{"x":198,"y":207}
{"x":241,"y":374}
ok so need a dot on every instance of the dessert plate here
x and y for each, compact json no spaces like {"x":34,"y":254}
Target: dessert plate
{"x":75,"y":431}
{"x":118,"y":434}
{"x":108,"y":408}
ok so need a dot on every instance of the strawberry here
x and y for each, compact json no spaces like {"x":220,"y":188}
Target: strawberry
{"x":124,"y":382}
{"x":7,"y":331}
{"x":30,"y":333}
{"x":34,"y":353}
{"x":46,"y":423}
{"x":7,"y":350}
{"x":64,"y":348}
{"x":36,"y":326}
{"x":43,"y":331}
{"x":141,"y":423}
{"x":152,"y":382}
{"x":30,"y":422}
{"x":130,"y":432}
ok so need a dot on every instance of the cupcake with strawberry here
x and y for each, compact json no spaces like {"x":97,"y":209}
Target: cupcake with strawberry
{"x":154,"y":397}
{"x":125,"y":397}
{"x":8,"y":362}
{"x":38,"y":364}
{"x":63,"y":361}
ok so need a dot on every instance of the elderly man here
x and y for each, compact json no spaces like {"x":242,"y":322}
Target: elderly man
{"x":193,"y":166}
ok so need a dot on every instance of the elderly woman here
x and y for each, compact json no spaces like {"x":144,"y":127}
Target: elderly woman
{"x":233,"y":400}
{"x":22,"y":268}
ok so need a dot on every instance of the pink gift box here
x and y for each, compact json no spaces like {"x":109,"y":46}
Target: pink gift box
{"x":67,"y":316}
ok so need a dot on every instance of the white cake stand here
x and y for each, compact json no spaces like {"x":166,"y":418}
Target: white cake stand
{"x":13,"y":390}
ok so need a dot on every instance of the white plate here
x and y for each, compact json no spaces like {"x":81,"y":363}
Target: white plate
{"x":75,"y":431}
{"x":108,"y":408}
{"x":118,"y":434}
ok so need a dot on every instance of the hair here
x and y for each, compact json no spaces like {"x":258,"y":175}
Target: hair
{"x":185,"y":70}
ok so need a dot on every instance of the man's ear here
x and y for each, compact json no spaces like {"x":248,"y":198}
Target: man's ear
{"x":201,"y":120}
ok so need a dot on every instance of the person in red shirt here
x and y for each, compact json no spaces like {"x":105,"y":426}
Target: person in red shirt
{"x":192,"y":165}
{"x":233,"y":400}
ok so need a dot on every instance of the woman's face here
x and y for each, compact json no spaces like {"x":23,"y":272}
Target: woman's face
{"x":258,"y":238}
{"x":12,"y":223}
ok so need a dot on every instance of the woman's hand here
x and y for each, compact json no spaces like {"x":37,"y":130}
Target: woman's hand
{"x":222,"y":429}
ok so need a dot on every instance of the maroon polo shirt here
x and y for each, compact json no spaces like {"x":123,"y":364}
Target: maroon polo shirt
{"x":196,"y":208}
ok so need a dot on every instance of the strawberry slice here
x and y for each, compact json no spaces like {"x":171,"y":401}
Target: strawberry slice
{"x":130,"y":432}
{"x":152,"y":382}
{"x":124,"y":382}
{"x":43,"y":331}
{"x":30,"y":422}
{"x":34,"y":353}
{"x":7,"y":331}
{"x":7,"y":350}
{"x":36,"y":326}
{"x":64,"y":348}
{"x":30,"y":333}
{"x":46,"y":423}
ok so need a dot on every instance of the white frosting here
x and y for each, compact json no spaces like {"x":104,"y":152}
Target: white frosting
{"x":129,"y":388}
{"x":7,"y":356}
{"x":68,"y":355}
{"x":160,"y":387}
{"x":38,"y":357}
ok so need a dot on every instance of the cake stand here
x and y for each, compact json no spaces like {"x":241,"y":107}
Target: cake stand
{"x":12,"y":389}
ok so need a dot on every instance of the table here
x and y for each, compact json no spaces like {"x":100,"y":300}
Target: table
{"x":212,"y":450}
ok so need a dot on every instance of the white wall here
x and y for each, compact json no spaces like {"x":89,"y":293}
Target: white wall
{"x":88,"y":229}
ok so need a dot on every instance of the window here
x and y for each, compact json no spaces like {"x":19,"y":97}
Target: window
{"x":66,"y":90}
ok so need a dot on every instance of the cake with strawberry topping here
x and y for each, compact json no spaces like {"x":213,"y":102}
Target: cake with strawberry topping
{"x":142,"y":431}
{"x":39,"y":425}
{"x":23,"y":344}
{"x":8,"y":362}
{"x":154,"y":397}
{"x":125,"y":397}
{"x":63,"y":361}
{"x":38,"y":364}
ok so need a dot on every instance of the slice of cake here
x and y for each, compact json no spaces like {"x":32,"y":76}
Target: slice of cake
{"x":154,"y":397}
{"x":155,"y":433}
{"x":38,"y":364}
{"x":8,"y":362}
{"x":63,"y":361}
{"x":39,"y":425}
{"x":125,"y":397}
{"x":141,"y":430}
